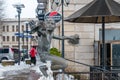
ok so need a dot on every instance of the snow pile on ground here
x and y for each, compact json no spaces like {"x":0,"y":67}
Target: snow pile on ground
{"x":13,"y":68}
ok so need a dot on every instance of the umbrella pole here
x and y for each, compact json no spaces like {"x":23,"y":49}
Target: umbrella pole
{"x":103,"y":44}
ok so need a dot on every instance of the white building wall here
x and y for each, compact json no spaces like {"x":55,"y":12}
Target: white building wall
{"x":10,"y":33}
{"x":84,"y":51}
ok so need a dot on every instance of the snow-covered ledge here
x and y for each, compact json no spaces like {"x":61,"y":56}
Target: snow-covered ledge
{"x":8,"y":62}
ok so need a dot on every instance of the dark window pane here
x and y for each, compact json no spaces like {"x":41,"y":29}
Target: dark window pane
{"x":5,"y":51}
{"x":16,"y":28}
{"x":7,"y":38}
{"x":13,"y":38}
{"x":7,"y":28}
{"x":3,"y":28}
{"x":3,"y":38}
{"x":13,"y":28}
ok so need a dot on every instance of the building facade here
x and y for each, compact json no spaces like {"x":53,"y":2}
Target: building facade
{"x":88,"y":51}
{"x":10,"y":35}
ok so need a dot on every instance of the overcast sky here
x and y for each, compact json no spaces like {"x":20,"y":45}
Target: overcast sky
{"x":27,"y":12}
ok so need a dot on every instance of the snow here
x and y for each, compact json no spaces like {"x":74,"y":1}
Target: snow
{"x":16,"y":67}
{"x":12,"y":68}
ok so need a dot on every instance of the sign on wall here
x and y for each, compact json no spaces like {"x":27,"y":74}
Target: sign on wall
{"x":55,"y":15}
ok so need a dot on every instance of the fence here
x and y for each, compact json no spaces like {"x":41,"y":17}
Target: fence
{"x":109,"y":75}
{"x":96,"y":73}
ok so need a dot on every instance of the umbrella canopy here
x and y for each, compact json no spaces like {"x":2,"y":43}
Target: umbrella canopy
{"x":98,"y":11}
{"x":95,"y":10}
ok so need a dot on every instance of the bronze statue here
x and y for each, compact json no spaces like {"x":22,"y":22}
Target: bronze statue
{"x":45,"y":30}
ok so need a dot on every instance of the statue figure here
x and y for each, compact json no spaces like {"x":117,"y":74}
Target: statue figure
{"x":45,"y":34}
{"x":45,"y":30}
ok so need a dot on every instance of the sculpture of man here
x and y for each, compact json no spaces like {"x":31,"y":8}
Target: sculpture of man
{"x":45,"y":30}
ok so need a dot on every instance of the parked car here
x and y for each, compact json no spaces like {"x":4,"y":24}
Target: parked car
{"x":7,"y":53}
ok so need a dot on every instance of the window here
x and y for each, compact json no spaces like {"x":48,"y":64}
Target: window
{"x":116,"y":55}
{"x":112,"y":49}
{"x":3,"y":28}
{"x":16,"y":28}
{"x":13,"y":38}
{"x":7,"y":38}
{"x":4,"y":50}
{"x":17,"y":38}
{"x":7,"y":28}
{"x":14,"y":46}
{"x":6,"y":46}
{"x":22,"y":27}
{"x":3,"y":38}
{"x":110,"y":34}
{"x":13,"y":28}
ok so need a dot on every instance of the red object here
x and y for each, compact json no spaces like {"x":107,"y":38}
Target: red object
{"x":33,"y":52}
{"x":53,"y":13}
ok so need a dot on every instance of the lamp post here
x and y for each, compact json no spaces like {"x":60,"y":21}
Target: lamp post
{"x":23,"y":40}
{"x":19,"y":8}
{"x":27,"y":35}
{"x":62,"y":3}
{"x":41,"y":9}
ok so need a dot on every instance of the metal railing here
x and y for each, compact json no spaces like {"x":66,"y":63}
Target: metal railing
{"x":95,"y":73}
{"x":98,"y":75}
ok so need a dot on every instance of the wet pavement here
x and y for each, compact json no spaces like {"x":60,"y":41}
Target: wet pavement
{"x":21,"y":75}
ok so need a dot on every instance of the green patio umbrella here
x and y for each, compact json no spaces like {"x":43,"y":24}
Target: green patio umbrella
{"x":98,"y":11}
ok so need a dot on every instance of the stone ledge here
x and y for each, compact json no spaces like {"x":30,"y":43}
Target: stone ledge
{"x":8,"y":62}
{"x":28,"y":61}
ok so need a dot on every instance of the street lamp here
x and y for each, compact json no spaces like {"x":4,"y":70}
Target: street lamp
{"x":19,"y":8}
{"x":27,"y":35}
{"x":41,"y":9}
{"x":62,"y":3}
